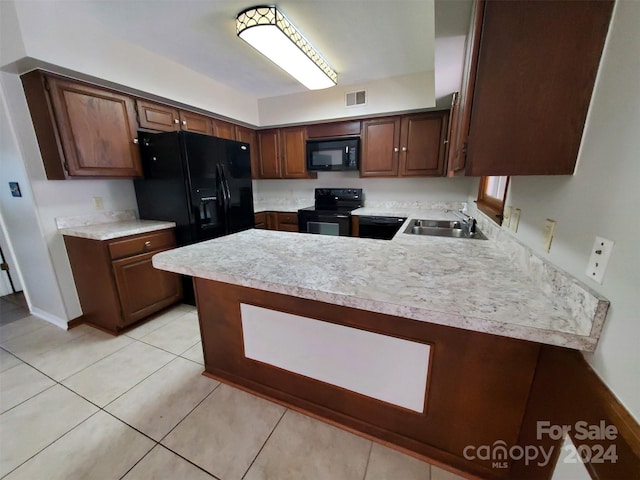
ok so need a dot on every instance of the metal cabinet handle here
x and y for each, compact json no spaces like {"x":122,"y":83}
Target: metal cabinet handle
{"x":184,"y":122}
{"x":404,"y":149}
{"x":175,"y":120}
{"x":135,"y":140}
{"x":147,"y":244}
{"x":396,"y":149}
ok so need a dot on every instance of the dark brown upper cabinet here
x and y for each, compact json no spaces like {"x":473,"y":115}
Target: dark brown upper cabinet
{"x":282,"y":153}
{"x":380,"y":149}
{"x":532,"y":75}
{"x":155,"y":116}
{"x":224,"y":129}
{"x":409,"y":145}
{"x":422,"y":140}
{"x":334,"y":129}
{"x":165,"y":118}
{"x":247,"y":135}
{"x":82,"y":130}
{"x":194,"y":122}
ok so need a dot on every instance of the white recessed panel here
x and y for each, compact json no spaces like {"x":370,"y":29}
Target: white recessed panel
{"x":386,"y":368}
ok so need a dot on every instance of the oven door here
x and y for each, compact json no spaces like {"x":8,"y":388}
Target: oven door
{"x":338,"y":224}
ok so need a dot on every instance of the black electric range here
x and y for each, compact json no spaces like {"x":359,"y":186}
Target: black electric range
{"x":331,"y":214}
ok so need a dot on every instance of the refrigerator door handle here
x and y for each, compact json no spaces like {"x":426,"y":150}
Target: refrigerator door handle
{"x":226,"y":186}
{"x":225,"y":200}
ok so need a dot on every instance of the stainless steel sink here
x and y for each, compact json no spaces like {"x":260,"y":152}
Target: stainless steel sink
{"x":442,"y":228}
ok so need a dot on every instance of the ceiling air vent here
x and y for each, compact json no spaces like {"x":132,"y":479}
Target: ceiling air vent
{"x":354,"y":99}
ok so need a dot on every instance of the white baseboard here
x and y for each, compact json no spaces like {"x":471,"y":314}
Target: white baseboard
{"x":47,"y":317}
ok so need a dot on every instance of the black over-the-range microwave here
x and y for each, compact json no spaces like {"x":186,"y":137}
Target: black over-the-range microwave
{"x":333,"y":154}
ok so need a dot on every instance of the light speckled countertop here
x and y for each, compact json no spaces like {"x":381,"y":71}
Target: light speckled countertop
{"x":468,"y":284}
{"x":111,"y":230}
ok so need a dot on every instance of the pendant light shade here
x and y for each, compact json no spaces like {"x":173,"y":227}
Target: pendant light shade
{"x":271,"y":33}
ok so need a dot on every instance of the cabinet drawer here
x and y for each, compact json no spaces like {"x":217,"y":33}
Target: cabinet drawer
{"x":141,"y":244}
{"x":288,"y":218}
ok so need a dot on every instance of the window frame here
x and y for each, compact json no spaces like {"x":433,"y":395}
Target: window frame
{"x":491,"y":206}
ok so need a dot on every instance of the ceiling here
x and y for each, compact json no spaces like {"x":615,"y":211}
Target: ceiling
{"x":363,"y":40}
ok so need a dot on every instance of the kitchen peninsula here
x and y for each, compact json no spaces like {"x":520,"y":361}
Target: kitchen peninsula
{"x":430,"y":344}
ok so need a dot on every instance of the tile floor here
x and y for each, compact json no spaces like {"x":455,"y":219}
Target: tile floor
{"x":82,"y":404}
{"x":13,"y":307}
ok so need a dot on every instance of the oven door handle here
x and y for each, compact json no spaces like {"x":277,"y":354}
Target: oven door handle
{"x":342,"y":216}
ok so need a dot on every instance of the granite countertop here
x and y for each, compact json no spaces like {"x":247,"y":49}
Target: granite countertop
{"x":468,"y":284}
{"x":111,"y":230}
{"x":291,"y":207}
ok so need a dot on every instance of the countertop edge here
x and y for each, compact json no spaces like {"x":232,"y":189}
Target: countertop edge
{"x":481,"y":325}
{"x":78,"y":231}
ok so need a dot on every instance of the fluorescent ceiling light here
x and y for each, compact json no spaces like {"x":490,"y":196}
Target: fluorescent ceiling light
{"x":271,"y":33}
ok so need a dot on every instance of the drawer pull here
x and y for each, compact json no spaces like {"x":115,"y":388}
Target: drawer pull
{"x":147,"y":244}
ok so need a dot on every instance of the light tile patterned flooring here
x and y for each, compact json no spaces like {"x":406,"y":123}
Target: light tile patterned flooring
{"x":82,"y":404}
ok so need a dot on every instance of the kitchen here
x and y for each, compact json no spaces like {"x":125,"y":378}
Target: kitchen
{"x":569,"y":200}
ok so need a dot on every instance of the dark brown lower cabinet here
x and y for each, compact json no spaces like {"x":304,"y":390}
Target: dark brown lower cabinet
{"x":115,"y":279}
{"x":282,"y":221}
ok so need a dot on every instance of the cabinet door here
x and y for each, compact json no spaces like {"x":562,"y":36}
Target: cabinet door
{"x":269,"y":153}
{"x":155,"y":116}
{"x":537,"y":65}
{"x":142,"y":288}
{"x":380,"y":147}
{"x":97,"y":130}
{"x":461,"y":109}
{"x":194,"y":122}
{"x":260,"y":220}
{"x":287,"y":221}
{"x":224,"y":130}
{"x":422,"y":144}
{"x":294,"y":152}
{"x":249,"y":136}
{"x":272,"y":220}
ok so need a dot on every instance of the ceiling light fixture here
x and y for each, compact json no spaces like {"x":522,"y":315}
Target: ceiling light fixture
{"x":271,"y":33}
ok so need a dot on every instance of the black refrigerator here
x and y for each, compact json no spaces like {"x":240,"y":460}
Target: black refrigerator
{"x":200,"y":182}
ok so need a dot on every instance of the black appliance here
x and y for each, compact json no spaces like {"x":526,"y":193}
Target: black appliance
{"x":331,"y":214}
{"x":383,"y":228}
{"x":200,"y":182}
{"x":337,"y":154}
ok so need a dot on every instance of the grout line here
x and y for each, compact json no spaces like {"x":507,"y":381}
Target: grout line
{"x":366,"y":468}
{"x":49,"y":444}
{"x":27,"y":399}
{"x":189,"y":413}
{"x":92,"y":364}
{"x":163,"y":349}
{"x":159,"y":445}
{"x":141,"y":458}
{"x":265,"y":443}
{"x":138,"y":383}
{"x":102,"y":408}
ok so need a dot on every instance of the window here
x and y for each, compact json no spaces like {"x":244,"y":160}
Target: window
{"x":491,"y":197}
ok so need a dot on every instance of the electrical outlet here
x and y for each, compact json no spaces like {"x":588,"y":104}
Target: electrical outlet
{"x":599,"y":259}
{"x":515,"y":219}
{"x":98,"y":204}
{"x":506,"y":217}
{"x":547,"y":234}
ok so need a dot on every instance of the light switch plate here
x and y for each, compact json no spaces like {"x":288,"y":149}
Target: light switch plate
{"x":506,"y":217}
{"x":547,"y":234}
{"x":15,"y":189}
{"x":600,"y":253}
{"x":515,"y":219}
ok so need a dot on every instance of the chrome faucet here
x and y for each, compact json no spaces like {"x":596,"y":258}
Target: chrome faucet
{"x":469,"y":222}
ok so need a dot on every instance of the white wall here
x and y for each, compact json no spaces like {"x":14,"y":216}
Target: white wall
{"x":375,"y":189}
{"x":601,"y":199}
{"x":49,"y":199}
{"x":23,"y":233}
{"x":395,"y":94}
